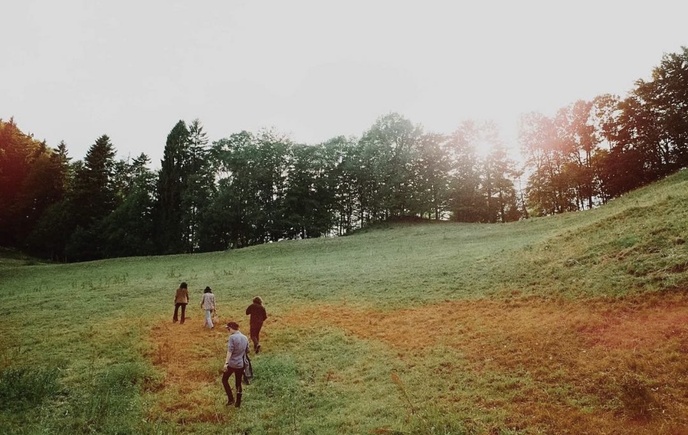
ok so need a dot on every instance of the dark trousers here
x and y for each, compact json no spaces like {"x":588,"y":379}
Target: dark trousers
{"x":176,"y":309}
{"x":238,"y":374}
{"x":255,"y":334}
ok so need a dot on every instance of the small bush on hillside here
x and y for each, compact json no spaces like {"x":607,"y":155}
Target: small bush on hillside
{"x":23,"y":387}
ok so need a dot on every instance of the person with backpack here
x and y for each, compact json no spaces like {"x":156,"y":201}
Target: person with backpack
{"x":258,"y":315}
{"x":237,"y":349}
{"x":208,"y":304}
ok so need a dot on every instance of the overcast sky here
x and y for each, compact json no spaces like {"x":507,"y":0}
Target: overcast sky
{"x":74,"y":70}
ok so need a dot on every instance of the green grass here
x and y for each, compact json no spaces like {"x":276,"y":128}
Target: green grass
{"x":74,"y":338}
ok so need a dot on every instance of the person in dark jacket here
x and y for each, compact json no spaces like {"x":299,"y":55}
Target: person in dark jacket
{"x":258,"y":315}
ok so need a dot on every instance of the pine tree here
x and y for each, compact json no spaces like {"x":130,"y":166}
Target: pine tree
{"x":172,"y":180}
{"x":91,"y":200}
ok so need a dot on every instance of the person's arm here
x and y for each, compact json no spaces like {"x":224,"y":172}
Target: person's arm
{"x":230,"y":350}
{"x":229,"y":355}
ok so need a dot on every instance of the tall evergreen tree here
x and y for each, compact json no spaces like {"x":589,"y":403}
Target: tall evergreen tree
{"x":199,"y":188}
{"x":94,"y":191}
{"x":129,"y":229}
{"x":31,"y":179}
{"x":44,"y":184}
{"x":92,"y":198}
{"x":173,"y":179}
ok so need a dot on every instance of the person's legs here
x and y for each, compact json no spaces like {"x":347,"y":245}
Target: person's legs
{"x":252,"y":334}
{"x":238,"y":376}
{"x":209,"y":318}
{"x":255,"y":336}
{"x":225,"y":383}
{"x":176,"y":310}
{"x":258,"y":327}
{"x":183,"y":313}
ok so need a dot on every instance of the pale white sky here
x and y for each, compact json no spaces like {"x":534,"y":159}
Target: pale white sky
{"x":73,"y":70}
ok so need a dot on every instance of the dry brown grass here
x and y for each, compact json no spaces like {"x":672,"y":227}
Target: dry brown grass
{"x":191,"y":392}
{"x":629,"y":356}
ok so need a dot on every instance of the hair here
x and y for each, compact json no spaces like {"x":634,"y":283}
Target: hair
{"x":208,"y":290}
{"x":183,"y":285}
{"x":257,"y":300}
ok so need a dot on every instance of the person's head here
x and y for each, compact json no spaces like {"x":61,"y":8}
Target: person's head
{"x":258,"y":300}
{"x":183,"y":285}
{"x":207,"y":290}
{"x":232,"y":326}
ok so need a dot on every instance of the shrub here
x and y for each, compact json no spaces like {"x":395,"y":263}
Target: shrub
{"x":24,"y":387}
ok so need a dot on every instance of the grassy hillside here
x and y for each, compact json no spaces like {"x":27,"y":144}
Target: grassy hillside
{"x":568,"y":324}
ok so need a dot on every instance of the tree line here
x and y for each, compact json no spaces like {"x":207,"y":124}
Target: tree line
{"x":252,"y":188}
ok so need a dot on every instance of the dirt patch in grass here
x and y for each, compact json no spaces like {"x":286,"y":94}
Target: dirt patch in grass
{"x":612,"y":366}
{"x":600,"y":366}
{"x":191,"y":358}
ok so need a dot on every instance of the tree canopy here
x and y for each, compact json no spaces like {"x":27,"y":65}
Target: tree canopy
{"x":250,"y":188}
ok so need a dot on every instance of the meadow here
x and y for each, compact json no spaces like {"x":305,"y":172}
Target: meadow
{"x":569,"y":324}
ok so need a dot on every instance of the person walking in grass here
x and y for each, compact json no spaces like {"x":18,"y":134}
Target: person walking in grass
{"x":208,"y":304}
{"x":258,"y":315}
{"x":237,"y":349}
{"x":181,"y":298}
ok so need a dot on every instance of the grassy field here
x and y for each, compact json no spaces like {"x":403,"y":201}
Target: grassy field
{"x":568,"y":324}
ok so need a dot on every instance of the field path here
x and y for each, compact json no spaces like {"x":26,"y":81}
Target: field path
{"x":621,"y":366}
{"x":191,"y":358}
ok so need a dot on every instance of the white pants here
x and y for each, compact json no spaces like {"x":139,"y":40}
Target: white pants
{"x":209,"y":318}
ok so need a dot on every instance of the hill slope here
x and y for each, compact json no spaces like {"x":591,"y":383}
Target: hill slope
{"x":567,"y":324}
